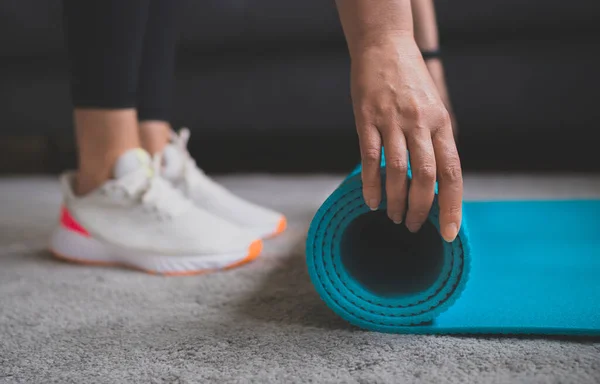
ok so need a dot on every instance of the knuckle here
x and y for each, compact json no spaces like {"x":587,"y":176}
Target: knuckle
{"x":433,"y":116}
{"x":451,"y":173}
{"x":370,"y":185}
{"x":452,"y":213}
{"x":425,"y":173}
{"x":453,"y":210}
{"x":413,"y":111}
{"x":439,"y":118}
{"x":397,"y":164}
{"x":442,"y":116}
{"x":364,"y":110}
{"x":384,"y":113}
{"x":371,"y":157}
{"x":380,"y":108}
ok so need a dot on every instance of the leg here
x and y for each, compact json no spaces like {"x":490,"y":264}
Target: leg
{"x":154,"y":97}
{"x":155,"y":87}
{"x":104,"y":42}
{"x":130,"y":215}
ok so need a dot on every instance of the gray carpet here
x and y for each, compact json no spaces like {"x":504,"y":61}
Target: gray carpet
{"x":263,"y":323}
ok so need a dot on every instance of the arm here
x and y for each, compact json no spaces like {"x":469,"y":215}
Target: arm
{"x":425,"y":25}
{"x":427,"y":39}
{"x":366,"y":23}
{"x":396,"y":104}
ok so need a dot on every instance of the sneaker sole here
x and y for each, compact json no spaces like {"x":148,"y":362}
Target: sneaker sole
{"x":73,"y":246}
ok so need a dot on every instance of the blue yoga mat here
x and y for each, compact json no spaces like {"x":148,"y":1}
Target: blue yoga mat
{"x":516,"y":267}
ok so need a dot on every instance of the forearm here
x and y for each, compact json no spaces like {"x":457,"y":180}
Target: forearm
{"x":369,"y":22}
{"x":425,"y":25}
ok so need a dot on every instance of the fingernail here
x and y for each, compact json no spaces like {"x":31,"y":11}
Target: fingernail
{"x":450,"y":232}
{"x":413,"y":227}
{"x":373,"y":204}
{"x":397,"y":218}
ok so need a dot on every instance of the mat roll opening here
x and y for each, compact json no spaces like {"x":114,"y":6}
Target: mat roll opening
{"x":387,"y":259}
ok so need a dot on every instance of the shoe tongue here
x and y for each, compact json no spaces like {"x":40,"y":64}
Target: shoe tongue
{"x":132,"y":161}
{"x":173,"y":162}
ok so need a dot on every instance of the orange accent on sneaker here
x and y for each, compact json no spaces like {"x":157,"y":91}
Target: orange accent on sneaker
{"x":92,"y":263}
{"x":281,"y":226}
{"x":67,"y":221}
{"x":253,"y":252}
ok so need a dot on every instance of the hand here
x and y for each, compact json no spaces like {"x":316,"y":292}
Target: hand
{"x":436,"y":70}
{"x":396,"y":104}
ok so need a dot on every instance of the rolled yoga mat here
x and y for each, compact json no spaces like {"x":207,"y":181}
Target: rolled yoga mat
{"x":520,"y":267}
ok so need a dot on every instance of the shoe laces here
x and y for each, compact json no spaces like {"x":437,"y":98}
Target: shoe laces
{"x":156,"y":194}
{"x":191,"y":173}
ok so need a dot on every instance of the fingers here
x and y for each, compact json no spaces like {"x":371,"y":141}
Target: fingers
{"x":450,"y":182}
{"x":422,"y":185}
{"x":370,"y":149}
{"x":396,"y":167}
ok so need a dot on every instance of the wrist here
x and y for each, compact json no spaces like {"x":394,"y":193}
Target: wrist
{"x":427,"y":41}
{"x":374,"y":40}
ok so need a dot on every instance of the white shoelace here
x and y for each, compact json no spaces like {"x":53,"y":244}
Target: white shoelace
{"x":153,"y":191}
{"x":191,"y":172}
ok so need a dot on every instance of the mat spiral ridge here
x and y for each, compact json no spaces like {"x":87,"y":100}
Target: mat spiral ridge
{"x":358,"y":304}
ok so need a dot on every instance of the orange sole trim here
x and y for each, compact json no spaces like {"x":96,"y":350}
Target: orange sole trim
{"x":281,"y":227}
{"x":253,"y":252}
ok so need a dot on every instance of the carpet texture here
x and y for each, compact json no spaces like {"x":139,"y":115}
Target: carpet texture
{"x":516,"y":267}
{"x":263,"y":323}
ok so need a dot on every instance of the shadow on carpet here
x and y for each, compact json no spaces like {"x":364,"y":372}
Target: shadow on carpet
{"x":286,"y":296}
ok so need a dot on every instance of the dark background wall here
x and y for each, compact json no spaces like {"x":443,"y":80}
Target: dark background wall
{"x":263,"y":84}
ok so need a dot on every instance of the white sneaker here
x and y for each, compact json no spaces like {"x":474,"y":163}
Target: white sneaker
{"x":139,"y":220}
{"x":182,"y":171}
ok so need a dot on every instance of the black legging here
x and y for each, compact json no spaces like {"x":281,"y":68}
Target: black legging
{"x":122,"y":54}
